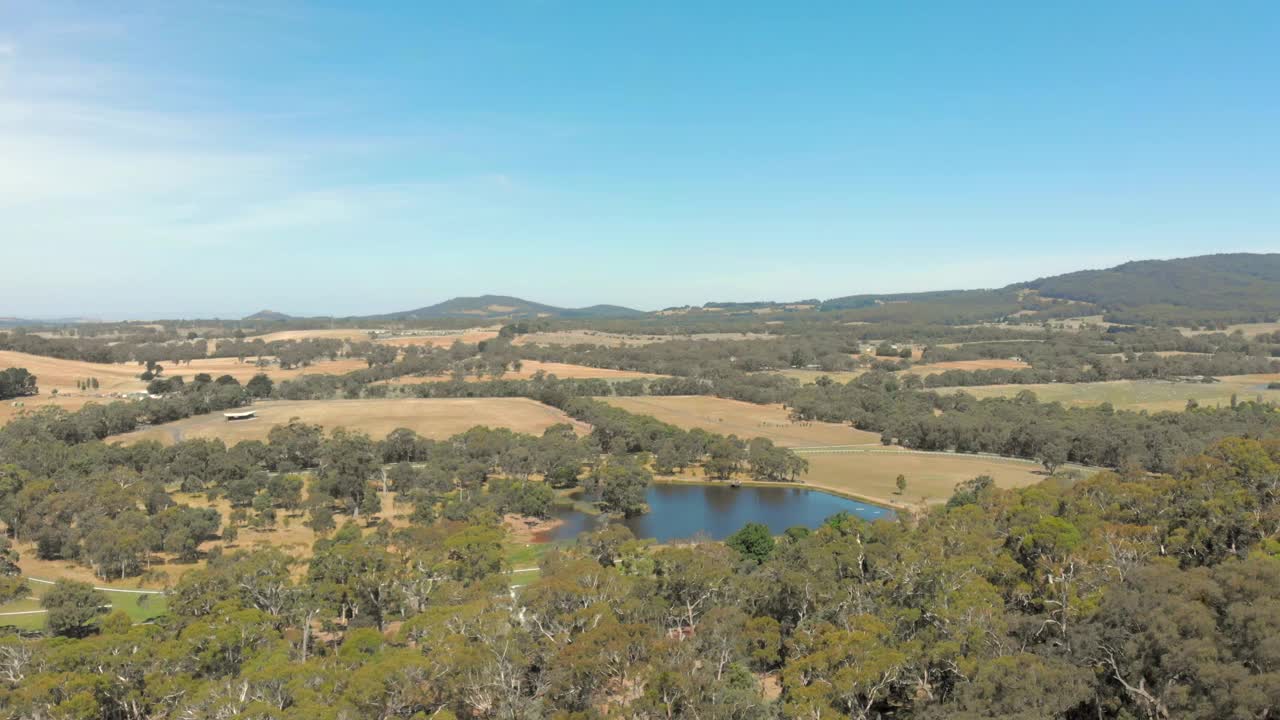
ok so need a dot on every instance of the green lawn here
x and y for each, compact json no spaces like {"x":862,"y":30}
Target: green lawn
{"x":140,"y":607}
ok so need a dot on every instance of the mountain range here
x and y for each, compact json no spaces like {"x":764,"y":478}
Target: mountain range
{"x":1233,"y":287}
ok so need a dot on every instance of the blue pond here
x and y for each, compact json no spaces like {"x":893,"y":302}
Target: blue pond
{"x":717,"y":511}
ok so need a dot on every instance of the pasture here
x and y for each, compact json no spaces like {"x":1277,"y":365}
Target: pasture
{"x":607,"y":339}
{"x":529,"y":368}
{"x":746,"y":420}
{"x":931,"y":477}
{"x":347,"y":334}
{"x":1150,"y":395}
{"x":983,"y":364}
{"x":26,"y":613}
{"x":436,"y":418}
{"x":807,"y":376}
{"x":441,"y":339}
{"x":62,"y":375}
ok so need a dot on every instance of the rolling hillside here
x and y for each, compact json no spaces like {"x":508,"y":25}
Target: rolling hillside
{"x":1236,"y":287}
{"x":496,"y":307}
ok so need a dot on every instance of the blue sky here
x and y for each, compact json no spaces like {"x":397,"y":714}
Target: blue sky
{"x":219,"y":157}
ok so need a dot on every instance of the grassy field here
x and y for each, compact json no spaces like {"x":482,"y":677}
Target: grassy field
{"x":25,"y":614}
{"x":62,"y":375}
{"x":605,"y":339}
{"x":348,"y":334}
{"x":471,"y":336}
{"x":808,"y":376}
{"x":931,"y":477}
{"x":984,"y":364}
{"x":1151,"y":395}
{"x":528,"y":368}
{"x":746,"y":420}
{"x":436,"y":418}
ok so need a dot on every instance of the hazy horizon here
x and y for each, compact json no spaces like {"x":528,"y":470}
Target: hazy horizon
{"x":217,"y":158}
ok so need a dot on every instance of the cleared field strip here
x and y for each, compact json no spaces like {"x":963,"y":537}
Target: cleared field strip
{"x":1151,"y":395}
{"x":56,"y":374}
{"x":841,"y":459}
{"x":746,"y":420}
{"x":529,"y":368}
{"x":435,"y":418}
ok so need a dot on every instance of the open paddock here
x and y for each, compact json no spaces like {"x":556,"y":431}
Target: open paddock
{"x":807,"y":376}
{"x":444,"y":339}
{"x":967,"y":365}
{"x":63,"y":375}
{"x":746,"y":420}
{"x":347,"y":334}
{"x":606,"y":339}
{"x":27,"y":614}
{"x":436,"y":418}
{"x":1150,"y":395}
{"x":13,"y":407}
{"x":931,"y":477}
{"x":529,"y":368}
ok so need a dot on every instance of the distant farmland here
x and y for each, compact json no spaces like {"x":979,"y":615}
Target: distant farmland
{"x":931,"y":477}
{"x":840,"y":458}
{"x":62,"y":375}
{"x":528,"y":368}
{"x":1151,"y":395}
{"x":746,"y":420}
{"x":436,"y":418}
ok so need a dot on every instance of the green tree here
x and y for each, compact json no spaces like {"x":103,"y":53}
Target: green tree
{"x":752,"y":541}
{"x":73,"y":608}
{"x":623,"y":481}
{"x":259,"y":386}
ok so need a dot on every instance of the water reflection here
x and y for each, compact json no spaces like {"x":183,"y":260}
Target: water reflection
{"x":717,"y":511}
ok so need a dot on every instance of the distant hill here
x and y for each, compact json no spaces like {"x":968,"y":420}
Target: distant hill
{"x":268,"y":316}
{"x":500,"y":307}
{"x":13,"y":322}
{"x":1209,"y":289}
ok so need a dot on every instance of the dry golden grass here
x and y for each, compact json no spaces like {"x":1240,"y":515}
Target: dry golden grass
{"x":62,"y":375}
{"x":931,"y":477}
{"x":10,"y":409}
{"x":746,"y":420}
{"x":472,"y":336}
{"x":33,"y":566}
{"x":436,"y":418}
{"x":983,"y":364}
{"x":605,"y":339}
{"x":348,"y":334}
{"x":529,"y":368}
{"x":1150,"y":395}
{"x":808,"y":376}
{"x":243,"y":371}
